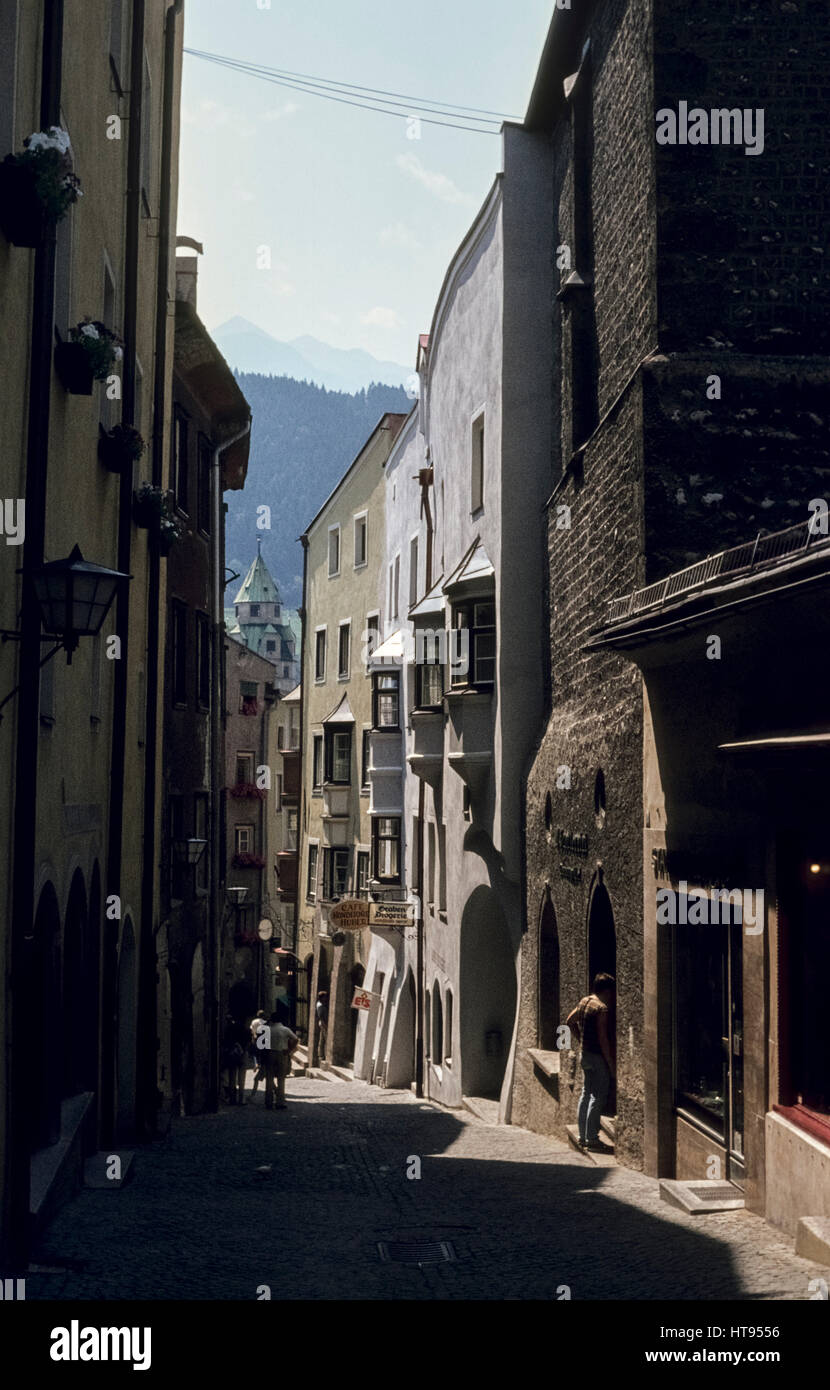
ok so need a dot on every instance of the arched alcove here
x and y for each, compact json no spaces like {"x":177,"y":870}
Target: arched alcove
{"x":602,"y":959}
{"x":549,"y":1014}
{"x":487,"y":994}
{"x":437,"y":1026}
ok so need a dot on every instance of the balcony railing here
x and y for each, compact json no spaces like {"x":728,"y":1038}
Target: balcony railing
{"x":747,"y":558}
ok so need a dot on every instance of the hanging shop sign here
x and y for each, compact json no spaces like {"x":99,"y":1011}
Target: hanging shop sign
{"x":351,"y":914}
{"x":391,"y":914}
{"x":361,"y":999}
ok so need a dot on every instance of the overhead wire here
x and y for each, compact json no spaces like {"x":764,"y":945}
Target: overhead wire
{"x":331,"y":91}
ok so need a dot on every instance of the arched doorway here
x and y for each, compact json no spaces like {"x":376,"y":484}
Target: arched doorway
{"x":75,"y":1000}
{"x":401,"y":1070}
{"x":437,"y":1026}
{"x":45,"y":1014}
{"x":486,"y":1003}
{"x":602,"y":959}
{"x":126,"y":1035}
{"x":548,"y":1004}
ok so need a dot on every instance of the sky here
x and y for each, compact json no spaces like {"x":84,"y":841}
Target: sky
{"x":318,"y":218}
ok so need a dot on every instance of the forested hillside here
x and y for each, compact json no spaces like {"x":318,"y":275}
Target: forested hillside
{"x":303,"y":439}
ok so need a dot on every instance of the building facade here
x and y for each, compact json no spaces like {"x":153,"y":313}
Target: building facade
{"x":344,"y":556}
{"x":690,"y":356}
{"x":80,"y":742}
{"x":209,"y":454}
{"x":261,"y":622}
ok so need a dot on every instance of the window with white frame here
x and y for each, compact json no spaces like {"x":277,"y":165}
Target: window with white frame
{"x":386,"y":843}
{"x":244,"y":839}
{"x":413,"y":571}
{"x":335,"y":873}
{"x":386,"y":699}
{"x":344,"y":649}
{"x":478,"y":619}
{"x":334,"y":551}
{"x":477,"y":465}
{"x":361,"y":540}
{"x":320,"y":654}
{"x":338,"y":755}
{"x":311,"y":880}
{"x":372,"y":633}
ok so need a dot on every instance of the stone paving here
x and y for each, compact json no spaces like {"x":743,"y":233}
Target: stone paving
{"x":299,"y":1199}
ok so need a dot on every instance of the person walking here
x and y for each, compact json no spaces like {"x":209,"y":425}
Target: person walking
{"x":278,"y":1061}
{"x":233,"y":1059}
{"x":322,"y":1011}
{"x":589,"y":1023}
{"x":258,"y":1025}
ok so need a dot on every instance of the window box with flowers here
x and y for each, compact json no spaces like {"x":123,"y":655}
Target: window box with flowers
{"x":37,"y":187}
{"x":90,"y":355}
{"x":120,"y":447}
{"x":153,"y":509}
{"x":243,"y":859}
{"x":248,"y":789}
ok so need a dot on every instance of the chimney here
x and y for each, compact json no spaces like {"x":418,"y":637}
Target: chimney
{"x":187,"y":270}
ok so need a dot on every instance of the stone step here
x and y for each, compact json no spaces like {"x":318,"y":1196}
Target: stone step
{"x":320,"y":1074}
{"x":345,"y":1073}
{"x":483,"y":1108}
{"x":812,"y":1239}
{"x":608,"y":1126}
{"x":698,"y":1196}
{"x":602,"y":1160}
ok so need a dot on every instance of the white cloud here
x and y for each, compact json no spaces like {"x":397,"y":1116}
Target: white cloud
{"x":437,"y":184}
{"x":379,"y":317}
{"x":398,"y":234}
{"x":276,"y":113}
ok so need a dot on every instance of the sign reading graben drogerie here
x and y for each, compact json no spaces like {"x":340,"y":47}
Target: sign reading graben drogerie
{"x":391,"y":914}
{"x":349,"y":915}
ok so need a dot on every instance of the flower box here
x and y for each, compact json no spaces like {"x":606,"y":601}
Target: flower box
{"x":244,"y":860}
{"x":22,"y":214}
{"x":37,"y":187}
{"x":153,"y":509}
{"x":74,"y":368}
{"x":120,"y":447}
{"x":249,"y":790}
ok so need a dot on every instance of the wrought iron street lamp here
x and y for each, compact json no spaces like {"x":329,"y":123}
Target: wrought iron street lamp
{"x":189,"y":851}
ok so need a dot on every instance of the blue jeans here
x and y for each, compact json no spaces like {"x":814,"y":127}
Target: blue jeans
{"x":594,"y":1095}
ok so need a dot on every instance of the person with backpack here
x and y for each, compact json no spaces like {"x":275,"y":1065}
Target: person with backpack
{"x":589,"y":1022}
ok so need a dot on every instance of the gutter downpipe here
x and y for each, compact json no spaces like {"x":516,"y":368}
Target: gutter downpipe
{"x":217,"y":760}
{"x":21,"y":963}
{"x":301,"y":808}
{"x":122,"y":620}
{"x":146,"y":1042}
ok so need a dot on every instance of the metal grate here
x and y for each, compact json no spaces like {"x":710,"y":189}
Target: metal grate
{"x":724,"y":1192}
{"x":416,"y":1252}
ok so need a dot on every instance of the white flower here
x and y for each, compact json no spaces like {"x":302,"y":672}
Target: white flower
{"x":89,"y":330}
{"x":53,"y":139}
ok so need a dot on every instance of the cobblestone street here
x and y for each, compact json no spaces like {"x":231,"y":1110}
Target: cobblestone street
{"x":524,"y":1214}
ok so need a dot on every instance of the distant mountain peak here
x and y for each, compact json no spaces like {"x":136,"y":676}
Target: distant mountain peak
{"x":249,"y":348}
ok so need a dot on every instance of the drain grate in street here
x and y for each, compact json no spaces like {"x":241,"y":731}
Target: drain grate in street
{"x":416,"y":1252}
{"x":723,"y":1193}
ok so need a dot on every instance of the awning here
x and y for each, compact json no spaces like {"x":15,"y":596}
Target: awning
{"x":342,"y":714}
{"x":432,"y":603}
{"x":392,"y":650}
{"x":475,"y":568}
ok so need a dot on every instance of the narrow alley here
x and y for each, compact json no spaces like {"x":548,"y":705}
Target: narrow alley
{"x":315,"y":1203}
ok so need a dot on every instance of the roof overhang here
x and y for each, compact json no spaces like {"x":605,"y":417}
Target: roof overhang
{"x":207,"y":376}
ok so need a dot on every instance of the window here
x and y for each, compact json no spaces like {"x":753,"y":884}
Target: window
{"x":386,"y":699}
{"x":320,"y":654}
{"x":108,"y":407}
{"x":147,"y":139}
{"x":244,"y":769}
{"x":431,"y":861}
{"x":394,"y":585}
{"x":200,"y":831}
{"x":548,"y":1011}
{"x":270,"y":646}
{"x":280,"y":737}
{"x":478,"y":620}
{"x":429,"y":680}
{"x":413,"y":571}
{"x":278,"y":792}
{"x":437,"y":1026}
{"x":117,"y":40}
{"x":179,"y":642}
{"x":293,"y":728}
{"x":311,"y":879}
{"x":248,"y":697}
{"x":362,"y":871}
{"x":344,"y":644}
{"x":334,"y":551}
{"x":372,"y":634}
{"x":178,"y":459}
{"x":317,"y":761}
{"x":335,"y":872}
{"x":477,"y":469}
{"x":386,"y":836}
{"x":361,"y":538}
{"x":175,"y":816}
{"x":253,"y":610}
{"x":448,"y":1030}
{"x":203,"y":652}
{"x":204,"y":497}
{"x":365,"y":751}
{"x":243,"y":839}
{"x":441,"y":831}
{"x":338,"y":755}
{"x":291,"y":828}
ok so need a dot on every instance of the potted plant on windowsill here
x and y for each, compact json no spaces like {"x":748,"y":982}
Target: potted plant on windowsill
{"x":120,"y":447}
{"x":37,"y":187}
{"x":153,"y":509}
{"x":245,"y":860}
{"x":90,"y":355}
